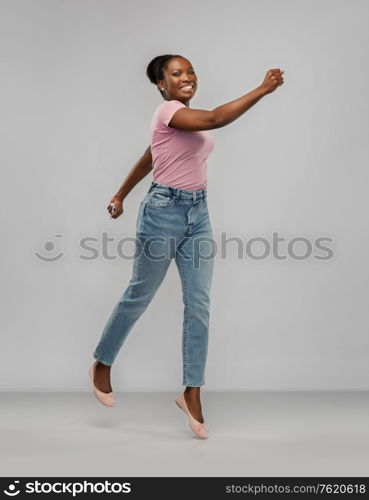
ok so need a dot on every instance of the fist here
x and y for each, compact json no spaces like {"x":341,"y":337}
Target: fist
{"x":272,"y":80}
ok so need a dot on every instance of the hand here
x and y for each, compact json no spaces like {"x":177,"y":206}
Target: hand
{"x":272,"y":80}
{"x":115,"y":207}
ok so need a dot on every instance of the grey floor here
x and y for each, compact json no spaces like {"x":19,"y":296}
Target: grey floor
{"x":146,"y":434}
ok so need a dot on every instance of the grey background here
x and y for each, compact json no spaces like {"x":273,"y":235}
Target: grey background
{"x":75,"y":112}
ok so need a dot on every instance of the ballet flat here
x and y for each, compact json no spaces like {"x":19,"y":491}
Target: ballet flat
{"x":107,"y":399}
{"x":200,"y":429}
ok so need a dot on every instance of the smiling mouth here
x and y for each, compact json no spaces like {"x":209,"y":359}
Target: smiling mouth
{"x":187,"y":87}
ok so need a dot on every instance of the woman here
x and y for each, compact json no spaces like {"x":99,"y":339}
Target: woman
{"x":173,"y":211}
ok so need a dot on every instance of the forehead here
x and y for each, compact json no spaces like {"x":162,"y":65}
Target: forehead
{"x":179,"y":64}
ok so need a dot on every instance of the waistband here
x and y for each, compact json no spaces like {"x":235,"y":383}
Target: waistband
{"x":177,"y":192}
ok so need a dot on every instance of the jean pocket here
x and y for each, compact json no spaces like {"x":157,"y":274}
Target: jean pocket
{"x":160,"y":200}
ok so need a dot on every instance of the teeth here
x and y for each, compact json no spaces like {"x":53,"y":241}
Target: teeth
{"x":187,"y":87}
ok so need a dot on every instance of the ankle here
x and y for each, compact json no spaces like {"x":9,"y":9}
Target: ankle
{"x":101,"y":366}
{"x":192,"y":389}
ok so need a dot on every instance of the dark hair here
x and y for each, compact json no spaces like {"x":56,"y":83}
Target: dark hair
{"x":155,"y":68}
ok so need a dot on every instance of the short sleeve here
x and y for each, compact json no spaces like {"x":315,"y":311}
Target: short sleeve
{"x":168,"y":108}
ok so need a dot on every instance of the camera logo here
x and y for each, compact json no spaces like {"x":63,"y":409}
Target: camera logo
{"x":12,"y":492}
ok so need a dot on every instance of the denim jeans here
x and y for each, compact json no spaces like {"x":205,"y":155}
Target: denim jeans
{"x":171,"y":223}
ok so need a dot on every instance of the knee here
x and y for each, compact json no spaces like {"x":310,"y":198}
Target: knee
{"x":198,"y":303}
{"x":137,"y":292}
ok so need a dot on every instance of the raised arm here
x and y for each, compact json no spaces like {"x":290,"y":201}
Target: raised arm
{"x":198,"y":119}
{"x":139,"y":170}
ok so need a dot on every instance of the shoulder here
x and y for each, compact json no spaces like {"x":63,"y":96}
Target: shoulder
{"x":165,"y":111}
{"x":171,"y":103}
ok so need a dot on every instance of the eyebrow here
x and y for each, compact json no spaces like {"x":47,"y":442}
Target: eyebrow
{"x":176,"y":69}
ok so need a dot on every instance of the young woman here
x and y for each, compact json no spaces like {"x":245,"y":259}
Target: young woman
{"x":173,"y":220}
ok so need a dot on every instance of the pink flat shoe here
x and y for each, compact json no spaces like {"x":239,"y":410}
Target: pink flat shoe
{"x":107,"y":399}
{"x":200,"y":429}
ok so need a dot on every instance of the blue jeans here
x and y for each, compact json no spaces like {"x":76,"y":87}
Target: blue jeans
{"x":171,"y":223}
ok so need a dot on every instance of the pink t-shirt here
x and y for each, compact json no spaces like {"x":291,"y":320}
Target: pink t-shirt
{"x":178,"y":156}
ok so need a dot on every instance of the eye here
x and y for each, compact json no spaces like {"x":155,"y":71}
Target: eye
{"x":177,"y":74}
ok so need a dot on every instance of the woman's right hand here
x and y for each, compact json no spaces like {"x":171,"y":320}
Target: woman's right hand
{"x":115,"y":207}
{"x":272,"y":80}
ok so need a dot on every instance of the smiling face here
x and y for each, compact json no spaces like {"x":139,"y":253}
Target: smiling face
{"x":180,"y":80}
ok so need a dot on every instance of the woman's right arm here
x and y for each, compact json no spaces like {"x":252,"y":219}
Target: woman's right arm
{"x":198,"y":119}
{"x":139,"y":170}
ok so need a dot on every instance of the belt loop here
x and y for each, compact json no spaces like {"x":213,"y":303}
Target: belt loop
{"x":194,"y":196}
{"x":177,"y":193}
